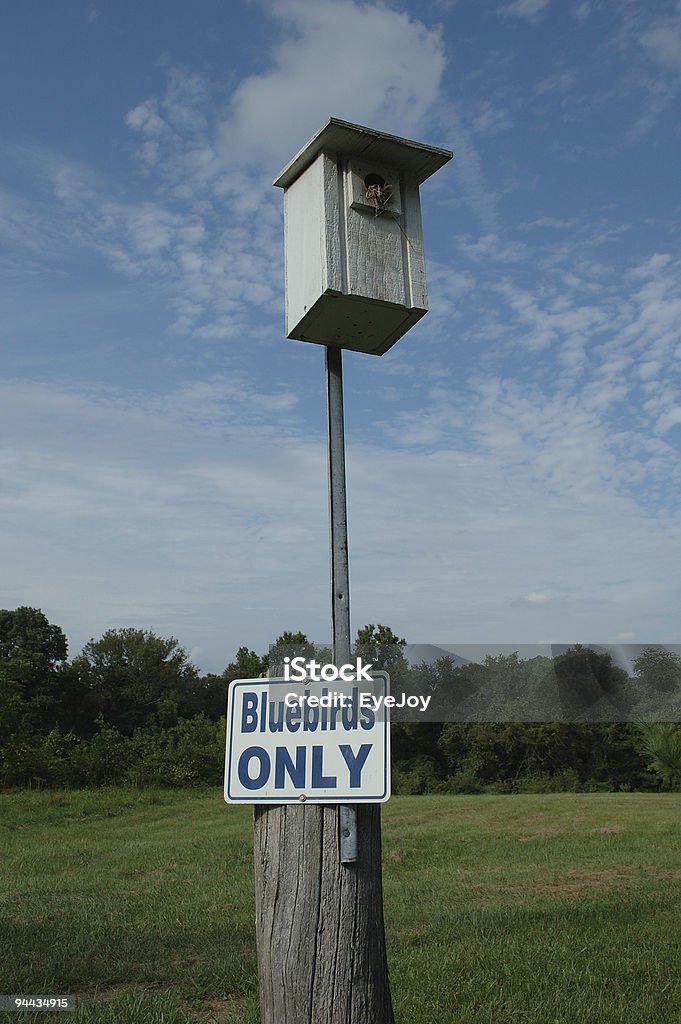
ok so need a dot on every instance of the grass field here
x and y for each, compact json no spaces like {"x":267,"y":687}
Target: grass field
{"x":557,"y":909}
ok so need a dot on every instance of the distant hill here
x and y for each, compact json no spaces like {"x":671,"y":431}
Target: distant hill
{"x":416,"y":654}
{"x":623,"y":655}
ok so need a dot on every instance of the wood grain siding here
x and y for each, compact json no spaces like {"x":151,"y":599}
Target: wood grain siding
{"x":319,"y":923}
{"x":304,"y":234}
{"x":374,"y":253}
{"x":336,"y":277}
{"x":413,"y":256}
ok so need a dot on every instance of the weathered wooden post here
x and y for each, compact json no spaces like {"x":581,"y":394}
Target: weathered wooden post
{"x":355,"y":278}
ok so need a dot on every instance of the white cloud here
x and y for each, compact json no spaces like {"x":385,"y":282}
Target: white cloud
{"x":535,"y":597}
{"x":145,"y":118}
{"x":560,"y":82}
{"x":662,"y":41}
{"x":664,"y":45}
{"x":469,"y":173}
{"x":650,"y":43}
{"x":554,"y":223}
{"x":363,"y":63}
{"x":529,"y":10}
{"x":155,"y":509}
{"x":489,"y":118}
{"x":492,"y":247}
{"x":671,"y":418}
{"x":209,"y":247}
{"x":179,"y":511}
{"x":548,"y":319}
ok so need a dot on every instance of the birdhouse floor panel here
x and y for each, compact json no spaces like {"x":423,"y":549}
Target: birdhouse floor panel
{"x":347,"y":321}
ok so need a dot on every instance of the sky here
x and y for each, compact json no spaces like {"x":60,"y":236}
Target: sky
{"x":513,"y":462}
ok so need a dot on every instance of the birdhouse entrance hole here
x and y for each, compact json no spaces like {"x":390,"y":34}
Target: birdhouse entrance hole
{"x":377,"y":191}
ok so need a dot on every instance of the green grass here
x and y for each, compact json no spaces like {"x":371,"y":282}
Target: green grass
{"x":557,"y":909}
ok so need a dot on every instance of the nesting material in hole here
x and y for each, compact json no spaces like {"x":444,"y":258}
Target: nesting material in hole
{"x":377,"y":191}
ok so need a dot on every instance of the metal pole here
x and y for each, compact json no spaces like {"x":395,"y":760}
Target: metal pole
{"x":340,"y":580}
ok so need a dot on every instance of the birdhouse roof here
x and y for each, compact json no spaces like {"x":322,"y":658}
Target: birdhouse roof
{"x":352,"y":140}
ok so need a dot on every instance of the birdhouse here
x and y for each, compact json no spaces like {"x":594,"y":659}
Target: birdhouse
{"x":355,"y":267}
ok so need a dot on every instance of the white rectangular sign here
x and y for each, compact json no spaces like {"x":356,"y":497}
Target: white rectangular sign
{"x":290,"y":742}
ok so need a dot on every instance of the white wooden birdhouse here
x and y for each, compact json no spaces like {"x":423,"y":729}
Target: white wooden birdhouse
{"x":355,"y":268}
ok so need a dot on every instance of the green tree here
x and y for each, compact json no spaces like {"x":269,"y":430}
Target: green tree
{"x":32,"y":652}
{"x":658,"y":670}
{"x":289,"y":645}
{"x":590,"y":686}
{"x":448,"y":687}
{"x":28,"y":638}
{"x":593,"y":756}
{"x":134,"y":679}
{"x":246,"y":665}
{"x":380,"y":647}
{"x":661,"y":746}
{"x":414,"y":752}
{"x":212,"y":691}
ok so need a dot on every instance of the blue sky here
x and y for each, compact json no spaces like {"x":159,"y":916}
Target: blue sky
{"x":513,"y":463}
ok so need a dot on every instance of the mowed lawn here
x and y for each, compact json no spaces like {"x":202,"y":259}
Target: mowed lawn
{"x":557,"y":909}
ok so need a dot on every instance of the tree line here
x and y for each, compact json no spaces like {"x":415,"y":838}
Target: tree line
{"x":133,"y":709}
